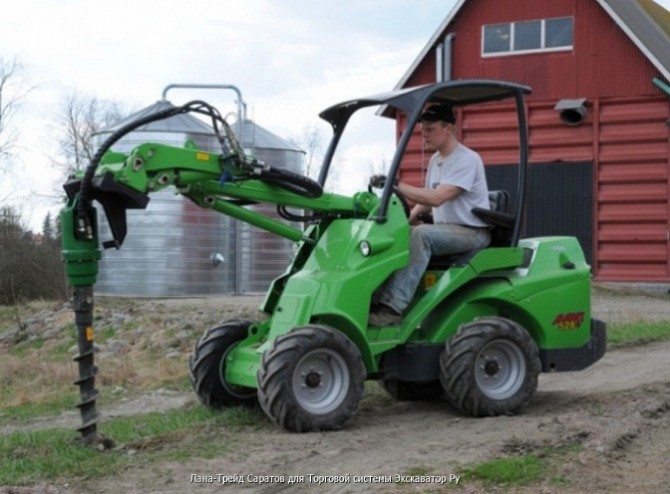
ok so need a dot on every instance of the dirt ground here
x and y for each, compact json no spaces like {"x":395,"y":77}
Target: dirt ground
{"x":618,"y":411}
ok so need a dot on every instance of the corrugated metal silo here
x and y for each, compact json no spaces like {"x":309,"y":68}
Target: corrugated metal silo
{"x":263,"y":256}
{"x":170,"y":247}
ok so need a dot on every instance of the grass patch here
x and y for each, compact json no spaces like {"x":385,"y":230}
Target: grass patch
{"x":25,"y":347}
{"x":522,"y":470}
{"x":28,"y":458}
{"x":34,"y":385}
{"x":46,"y":408}
{"x":53,"y":454}
{"x":537,"y":465}
{"x":629,"y":334}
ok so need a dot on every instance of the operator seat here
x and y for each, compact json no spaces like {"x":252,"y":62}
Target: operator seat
{"x":500,"y":221}
{"x":498,"y":217}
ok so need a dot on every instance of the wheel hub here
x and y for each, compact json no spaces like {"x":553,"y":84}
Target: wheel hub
{"x":321,"y":381}
{"x":500,"y":369}
{"x":313,"y":380}
{"x":491,"y":368}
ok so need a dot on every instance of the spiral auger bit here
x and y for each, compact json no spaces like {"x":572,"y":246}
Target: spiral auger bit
{"x":83,"y":309}
{"x":81,"y":255}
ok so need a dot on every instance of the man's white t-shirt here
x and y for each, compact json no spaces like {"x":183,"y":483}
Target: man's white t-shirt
{"x":463,"y":168}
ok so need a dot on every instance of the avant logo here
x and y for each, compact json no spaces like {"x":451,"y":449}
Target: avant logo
{"x":569,"y":321}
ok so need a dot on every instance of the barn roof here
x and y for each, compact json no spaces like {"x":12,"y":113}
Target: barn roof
{"x":645,"y":22}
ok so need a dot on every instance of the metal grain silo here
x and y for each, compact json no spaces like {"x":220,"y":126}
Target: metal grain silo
{"x":175,"y":248}
{"x":262,"y":255}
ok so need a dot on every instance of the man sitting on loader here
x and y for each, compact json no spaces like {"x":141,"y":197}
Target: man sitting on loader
{"x":455,"y":184}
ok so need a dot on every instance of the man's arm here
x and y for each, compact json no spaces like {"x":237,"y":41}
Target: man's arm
{"x":416,"y":211}
{"x":430,"y":198}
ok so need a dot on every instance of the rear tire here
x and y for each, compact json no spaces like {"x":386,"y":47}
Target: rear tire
{"x":207,"y":366}
{"x":490,"y":367}
{"x":311,"y":379}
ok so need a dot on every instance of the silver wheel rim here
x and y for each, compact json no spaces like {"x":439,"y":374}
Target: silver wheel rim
{"x":321,"y":381}
{"x":500,"y":369}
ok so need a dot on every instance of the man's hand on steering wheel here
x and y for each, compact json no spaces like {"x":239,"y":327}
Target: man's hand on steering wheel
{"x":377,"y":181}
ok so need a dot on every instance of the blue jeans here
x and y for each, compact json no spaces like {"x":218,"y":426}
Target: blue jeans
{"x":426,"y":240}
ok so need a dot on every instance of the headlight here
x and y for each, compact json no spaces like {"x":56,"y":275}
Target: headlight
{"x":365,"y":248}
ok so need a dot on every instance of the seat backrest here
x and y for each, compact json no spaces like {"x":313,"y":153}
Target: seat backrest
{"x":499,"y":217}
{"x":501,"y":221}
{"x":499,"y":201}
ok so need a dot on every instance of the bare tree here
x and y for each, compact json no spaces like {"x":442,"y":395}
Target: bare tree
{"x":79,"y":119}
{"x":310,"y":141}
{"x":12,"y":90}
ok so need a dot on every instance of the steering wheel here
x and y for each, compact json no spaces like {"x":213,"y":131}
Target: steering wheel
{"x":378,"y":182}
{"x":403,"y":200}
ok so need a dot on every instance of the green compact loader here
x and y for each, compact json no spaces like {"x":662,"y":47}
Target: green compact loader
{"x":478,"y":331}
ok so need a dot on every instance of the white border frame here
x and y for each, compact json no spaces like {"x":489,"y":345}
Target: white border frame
{"x":542,"y":49}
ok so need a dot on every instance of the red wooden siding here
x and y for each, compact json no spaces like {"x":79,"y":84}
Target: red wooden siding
{"x":624,"y":133}
{"x":603,"y":62}
{"x":632,"y":209}
{"x":631,"y":157}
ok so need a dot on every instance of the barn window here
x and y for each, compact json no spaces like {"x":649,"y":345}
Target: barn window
{"x":527,"y":36}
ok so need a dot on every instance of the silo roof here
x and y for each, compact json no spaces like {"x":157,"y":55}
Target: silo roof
{"x":184,"y":123}
{"x":253,"y":135}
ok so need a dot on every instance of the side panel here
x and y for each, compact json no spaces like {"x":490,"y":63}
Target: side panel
{"x":550,"y":297}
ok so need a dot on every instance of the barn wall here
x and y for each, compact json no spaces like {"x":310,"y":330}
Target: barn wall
{"x":632,"y":155}
{"x":603,"y":63}
{"x":624,"y":133}
{"x":626,"y":139}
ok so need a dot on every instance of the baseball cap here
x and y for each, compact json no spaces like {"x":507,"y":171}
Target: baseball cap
{"x":439,"y":113}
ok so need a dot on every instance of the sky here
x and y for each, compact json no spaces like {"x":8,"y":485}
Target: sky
{"x":289,"y":58}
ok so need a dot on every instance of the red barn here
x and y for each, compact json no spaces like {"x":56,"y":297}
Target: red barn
{"x":597,"y":118}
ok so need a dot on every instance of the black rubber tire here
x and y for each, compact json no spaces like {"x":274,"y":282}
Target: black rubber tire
{"x":412,"y":391}
{"x":311,"y":379}
{"x":490,"y":367}
{"x":207,"y":367}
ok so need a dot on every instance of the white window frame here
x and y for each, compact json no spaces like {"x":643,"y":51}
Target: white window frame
{"x":543,"y":49}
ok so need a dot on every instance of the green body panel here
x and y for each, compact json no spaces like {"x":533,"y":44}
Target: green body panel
{"x":550,"y":297}
{"x":330,"y":282}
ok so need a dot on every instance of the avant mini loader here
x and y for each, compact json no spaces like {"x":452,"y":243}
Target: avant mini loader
{"x":478,"y":334}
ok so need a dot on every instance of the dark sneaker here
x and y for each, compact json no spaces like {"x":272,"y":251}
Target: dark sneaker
{"x":383,"y":315}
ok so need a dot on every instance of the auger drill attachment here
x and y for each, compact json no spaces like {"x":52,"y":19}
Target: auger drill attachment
{"x":81,"y":254}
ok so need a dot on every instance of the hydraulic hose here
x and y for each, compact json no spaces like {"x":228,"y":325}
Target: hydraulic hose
{"x":291,"y":181}
{"x":86,"y":189}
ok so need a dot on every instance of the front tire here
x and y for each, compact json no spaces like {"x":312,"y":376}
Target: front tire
{"x":311,"y":379}
{"x":490,"y":367}
{"x":207,"y":366}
